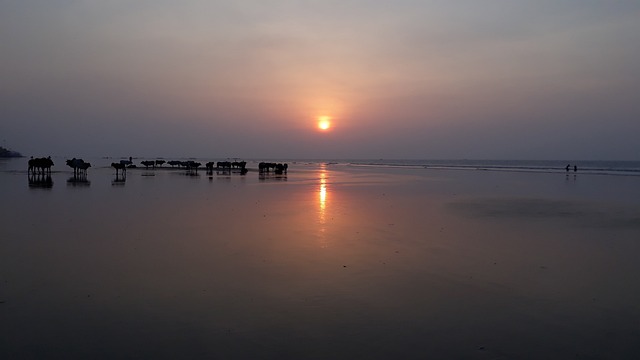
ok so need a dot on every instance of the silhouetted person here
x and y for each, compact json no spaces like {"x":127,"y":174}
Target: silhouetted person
{"x":575,"y":168}
{"x":567,"y":168}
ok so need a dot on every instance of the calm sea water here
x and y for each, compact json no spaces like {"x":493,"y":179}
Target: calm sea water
{"x":336,"y":259}
{"x":587,"y":167}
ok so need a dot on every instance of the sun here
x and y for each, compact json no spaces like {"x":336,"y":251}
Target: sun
{"x":324,"y":122}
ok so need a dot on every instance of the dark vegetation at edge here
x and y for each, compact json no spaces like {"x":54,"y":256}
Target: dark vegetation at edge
{"x":6,"y":153}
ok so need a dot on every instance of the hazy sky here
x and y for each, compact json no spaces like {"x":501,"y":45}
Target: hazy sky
{"x":398,"y":79}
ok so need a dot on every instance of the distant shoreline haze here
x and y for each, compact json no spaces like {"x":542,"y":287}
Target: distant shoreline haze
{"x":7,"y":153}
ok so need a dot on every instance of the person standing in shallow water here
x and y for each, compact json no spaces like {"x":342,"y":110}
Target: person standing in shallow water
{"x":567,"y":168}
{"x":575,"y":168}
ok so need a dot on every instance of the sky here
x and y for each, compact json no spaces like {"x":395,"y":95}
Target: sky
{"x":440,"y":79}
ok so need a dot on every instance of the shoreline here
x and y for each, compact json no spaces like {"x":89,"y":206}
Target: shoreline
{"x":295,"y":167}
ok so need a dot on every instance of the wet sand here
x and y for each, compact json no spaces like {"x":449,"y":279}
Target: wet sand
{"x":327,"y":262}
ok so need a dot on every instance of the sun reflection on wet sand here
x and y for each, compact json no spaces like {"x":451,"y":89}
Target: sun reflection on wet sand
{"x":322,"y":205}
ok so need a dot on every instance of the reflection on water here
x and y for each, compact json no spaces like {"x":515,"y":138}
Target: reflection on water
{"x":322,"y":204}
{"x":263,"y":176}
{"x":78,"y":180}
{"x":40,"y":180}
{"x":120,"y":179}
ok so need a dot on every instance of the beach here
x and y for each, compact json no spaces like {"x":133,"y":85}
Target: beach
{"x":327,"y":261}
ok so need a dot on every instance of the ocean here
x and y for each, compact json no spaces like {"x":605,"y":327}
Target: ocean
{"x":631,"y":168}
{"x":337,"y":259}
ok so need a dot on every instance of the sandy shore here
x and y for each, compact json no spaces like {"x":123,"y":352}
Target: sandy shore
{"x":327,"y":262}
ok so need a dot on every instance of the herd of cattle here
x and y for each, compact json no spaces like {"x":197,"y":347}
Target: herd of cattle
{"x":42,"y":166}
{"x":79,"y":166}
{"x":190,"y":165}
{"x":278,"y":168}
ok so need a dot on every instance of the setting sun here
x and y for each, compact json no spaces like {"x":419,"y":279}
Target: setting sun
{"x":324,"y":122}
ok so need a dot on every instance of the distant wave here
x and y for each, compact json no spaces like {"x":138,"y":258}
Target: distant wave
{"x":630,"y":168}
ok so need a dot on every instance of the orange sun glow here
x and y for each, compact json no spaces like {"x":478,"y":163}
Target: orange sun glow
{"x":324,"y":122}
